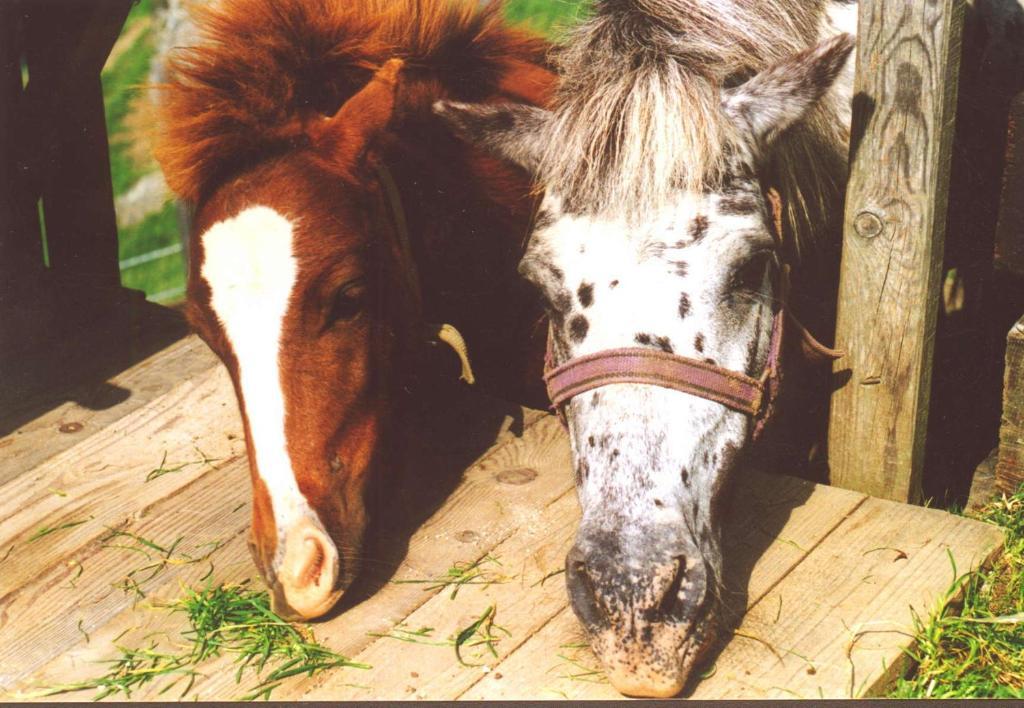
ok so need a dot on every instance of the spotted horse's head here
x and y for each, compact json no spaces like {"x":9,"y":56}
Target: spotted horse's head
{"x":698,"y":277}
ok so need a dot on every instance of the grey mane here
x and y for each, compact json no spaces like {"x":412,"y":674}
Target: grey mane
{"x":637,"y":115}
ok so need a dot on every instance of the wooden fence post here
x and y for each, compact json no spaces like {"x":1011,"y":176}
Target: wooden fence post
{"x":908,"y":57}
{"x":1010,"y":462}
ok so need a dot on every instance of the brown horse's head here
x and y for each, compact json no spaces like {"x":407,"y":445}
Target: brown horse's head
{"x":297,"y":131}
{"x":291,"y":286}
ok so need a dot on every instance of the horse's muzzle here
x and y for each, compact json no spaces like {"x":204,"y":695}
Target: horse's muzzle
{"x":647,"y":617}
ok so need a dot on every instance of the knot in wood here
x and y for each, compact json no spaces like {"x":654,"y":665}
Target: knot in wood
{"x":71,"y":427}
{"x":467,"y":536}
{"x":522,"y":475}
{"x":867,"y":224}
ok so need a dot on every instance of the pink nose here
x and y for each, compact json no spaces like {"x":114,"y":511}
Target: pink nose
{"x":310,"y":570}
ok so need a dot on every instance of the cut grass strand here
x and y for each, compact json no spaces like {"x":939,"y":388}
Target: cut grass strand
{"x":164,"y":469}
{"x":224,"y":620}
{"x":131,"y":670}
{"x":460,"y":574}
{"x":419,"y":636}
{"x":47,"y":530}
{"x":159,"y":558}
{"x":547,"y":577}
{"x":480,"y":632}
{"x":230,"y":619}
{"x":579,"y":670}
{"x":79,"y":569}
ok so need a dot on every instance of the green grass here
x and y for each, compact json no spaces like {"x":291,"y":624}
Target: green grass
{"x":480,"y":632}
{"x":158,"y":230}
{"x":224,"y":620}
{"x":155,"y":559}
{"x":974,"y":648}
{"x":47,"y":530}
{"x":460,"y":574}
{"x":549,"y":17}
{"x":122,"y":82}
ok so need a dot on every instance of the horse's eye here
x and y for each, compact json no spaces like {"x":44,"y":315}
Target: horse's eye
{"x":349,"y":302}
{"x":750,"y":275}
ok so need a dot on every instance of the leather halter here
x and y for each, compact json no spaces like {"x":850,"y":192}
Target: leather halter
{"x":639,"y":365}
{"x":433,"y":333}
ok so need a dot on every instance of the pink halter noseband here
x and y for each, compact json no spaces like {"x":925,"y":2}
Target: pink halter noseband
{"x":735,"y":390}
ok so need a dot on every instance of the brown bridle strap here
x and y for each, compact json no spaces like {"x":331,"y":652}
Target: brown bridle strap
{"x":640,"y":365}
{"x":442,"y":333}
{"x":399,"y":227}
{"x":637,"y":365}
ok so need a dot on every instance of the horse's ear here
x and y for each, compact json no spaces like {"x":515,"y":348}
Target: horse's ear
{"x":350,"y":132}
{"x":773,"y":100}
{"x":509,"y":130}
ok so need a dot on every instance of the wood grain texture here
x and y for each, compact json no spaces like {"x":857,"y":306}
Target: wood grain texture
{"x":1010,"y":464}
{"x":1010,"y":227}
{"x":807,"y":567}
{"x":904,"y":110}
{"x":496,"y":497}
{"x":84,"y":649}
{"x":522,"y":605}
{"x":833,"y":624}
{"x":69,"y":423}
{"x":102,"y":480}
{"x":40,"y":619}
{"x":837,"y":625}
{"x":774,"y":524}
{"x":210,"y":505}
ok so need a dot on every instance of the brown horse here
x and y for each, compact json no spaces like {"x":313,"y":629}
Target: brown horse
{"x":334,"y":216}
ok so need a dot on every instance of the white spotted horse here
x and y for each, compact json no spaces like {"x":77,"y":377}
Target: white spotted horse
{"x":694,"y":153}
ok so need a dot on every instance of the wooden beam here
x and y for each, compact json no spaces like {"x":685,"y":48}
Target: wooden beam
{"x":908,"y":56}
{"x":1010,"y":465}
{"x":1010,"y":228}
{"x":21,"y":250}
{"x":67,"y":46}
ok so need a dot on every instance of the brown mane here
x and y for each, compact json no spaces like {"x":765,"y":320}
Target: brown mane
{"x":263,"y":68}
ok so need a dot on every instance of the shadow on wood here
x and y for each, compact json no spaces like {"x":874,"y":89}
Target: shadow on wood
{"x":74,"y":363}
{"x":756,"y":518}
{"x":440,"y":431}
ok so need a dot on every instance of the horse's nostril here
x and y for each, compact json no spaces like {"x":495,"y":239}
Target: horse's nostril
{"x":672,"y":600}
{"x":586,"y":600}
{"x":314,"y":569}
{"x":687,"y":595}
{"x":310,"y":570}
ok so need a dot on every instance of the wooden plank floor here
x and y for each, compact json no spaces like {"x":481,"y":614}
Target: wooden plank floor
{"x":820,"y":582}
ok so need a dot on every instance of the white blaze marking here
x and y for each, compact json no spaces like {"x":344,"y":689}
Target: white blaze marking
{"x":250,"y":268}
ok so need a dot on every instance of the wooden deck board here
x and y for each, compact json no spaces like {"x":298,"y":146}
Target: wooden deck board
{"x":792,"y":516}
{"x":98,"y":406}
{"x":815,"y":581}
{"x":101,"y":480}
{"x":487,"y":507}
{"x":42,"y":616}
